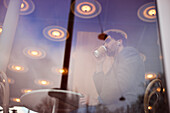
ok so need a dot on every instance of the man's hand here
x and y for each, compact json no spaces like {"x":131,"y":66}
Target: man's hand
{"x":84,"y":100}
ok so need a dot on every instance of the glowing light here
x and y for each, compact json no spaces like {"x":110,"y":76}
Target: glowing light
{"x":26,"y":7}
{"x":34,"y":53}
{"x":149,"y":107}
{"x":59,"y":70}
{"x":86,"y":8}
{"x":147,"y":12}
{"x":62,"y":70}
{"x":152,"y":12}
{"x":150,"y":76}
{"x":26,"y":90}
{"x":3,"y":80}
{"x":16,"y":99}
{"x":56,"y":33}
{"x":43,"y":82}
{"x":22,"y":5}
{"x":10,"y":81}
{"x":158,"y":89}
{"x":163,"y":89}
{"x":0,"y":30}
{"x":17,"y":68}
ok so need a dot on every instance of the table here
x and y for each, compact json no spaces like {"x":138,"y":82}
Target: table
{"x":51,"y":100}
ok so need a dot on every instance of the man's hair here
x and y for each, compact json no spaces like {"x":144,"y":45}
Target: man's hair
{"x":118,"y":36}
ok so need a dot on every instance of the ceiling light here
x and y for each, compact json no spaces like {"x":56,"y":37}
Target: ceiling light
{"x":34,"y":53}
{"x":59,"y":71}
{"x":0,"y":29}
{"x":147,"y":12}
{"x":150,"y":76}
{"x":152,"y":12}
{"x":86,"y":9}
{"x":55,"y":33}
{"x":43,"y":82}
{"x":15,"y":99}
{"x":27,"y":6}
{"x":26,"y":90}
{"x":17,"y":68}
{"x":22,"y":5}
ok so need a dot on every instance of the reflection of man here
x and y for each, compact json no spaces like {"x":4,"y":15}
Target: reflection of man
{"x":120,"y":81}
{"x":123,"y":82}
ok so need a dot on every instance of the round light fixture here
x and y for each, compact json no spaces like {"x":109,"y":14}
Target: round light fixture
{"x":27,"y":6}
{"x":26,"y":90}
{"x":86,"y":9}
{"x":17,"y":68}
{"x":55,"y":33}
{"x":15,"y":99}
{"x":43,"y":82}
{"x":34,"y":53}
{"x":147,"y":12}
{"x":0,"y":29}
{"x":150,"y":76}
{"x":59,"y":70}
{"x":150,"y":107}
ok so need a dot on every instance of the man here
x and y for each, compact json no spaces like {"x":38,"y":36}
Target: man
{"x":121,"y":81}
{"x":121,"y":85}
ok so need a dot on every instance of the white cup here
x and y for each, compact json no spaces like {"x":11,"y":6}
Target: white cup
{"x":100,"y":52}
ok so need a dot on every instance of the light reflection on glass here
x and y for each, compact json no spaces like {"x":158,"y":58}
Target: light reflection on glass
{"x":150,"y":76}
{"x":149,"y":107}
{"x":34,"y":53}
{"x":59,"y":71}
{"x":17,"y":68}
{"x":22,"y":5}
{"x":86,"y":8}
{"x":26,"y":90}
{"x":0,"y":29}
{"x":152,"y":12}
{"x":43,"y":82}
{"x":55,"y":33}
{"x":16,"y":99}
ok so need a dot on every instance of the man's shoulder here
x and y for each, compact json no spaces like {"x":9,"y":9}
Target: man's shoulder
{"x":129,"y":51}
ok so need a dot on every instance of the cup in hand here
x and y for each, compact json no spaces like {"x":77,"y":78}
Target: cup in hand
{"x":100,"y":52}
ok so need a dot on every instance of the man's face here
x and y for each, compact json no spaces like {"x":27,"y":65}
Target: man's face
{"x":111,"y":46}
